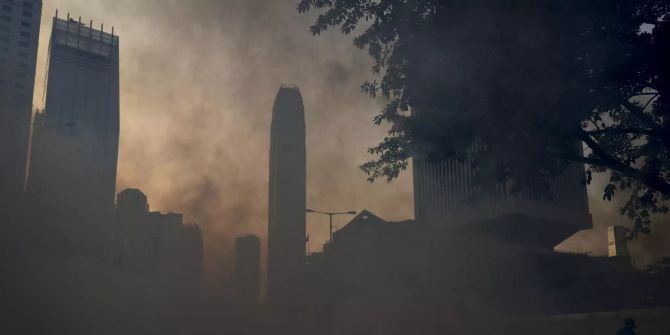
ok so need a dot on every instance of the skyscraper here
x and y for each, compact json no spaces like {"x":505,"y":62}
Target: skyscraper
{"x":248,"y":268}
{"x":19,"y":33}
{"x":75,"y":140}
{"x":286,"y":212}
{"x":443,"y":196}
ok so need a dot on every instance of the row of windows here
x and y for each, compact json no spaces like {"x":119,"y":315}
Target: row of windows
{"x":17,"y":96}
{"x":18,"y":85}
{"x":26,"y":24}
{"x":26,"y":4}
{"x":21,"y":64}
{"x":25,"y":34}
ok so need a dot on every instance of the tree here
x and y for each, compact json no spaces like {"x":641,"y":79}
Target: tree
{"x":539,"y":84}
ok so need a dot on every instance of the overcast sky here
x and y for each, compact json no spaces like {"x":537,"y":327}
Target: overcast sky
{"x":198,"y":79}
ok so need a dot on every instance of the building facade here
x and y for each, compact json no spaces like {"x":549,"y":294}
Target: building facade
{"x":446,"y":196}
{"x":248,"y":269}
{"x":617,"y":241}
{"x":287,"y":197}
{"x":75,"y":140}
{"x":19,"y":34}
{"x":156,"y":243}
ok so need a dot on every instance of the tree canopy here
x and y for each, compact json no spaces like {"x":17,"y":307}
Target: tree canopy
{"x":540,"y":84}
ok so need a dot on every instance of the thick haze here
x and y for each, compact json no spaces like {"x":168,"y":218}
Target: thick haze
{"x":198,"y":79}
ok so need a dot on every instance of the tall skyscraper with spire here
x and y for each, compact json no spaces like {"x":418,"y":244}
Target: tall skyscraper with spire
{"x":76,"y":139}
{"x":19,"y":33}
{"x":287,"y":198}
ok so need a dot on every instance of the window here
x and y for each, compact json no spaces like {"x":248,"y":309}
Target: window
{"x":26,"y":24}
{"x":28,"y":4}
{"x":4,"y":39}
{"x":24,"y":44}
{"x":5,"y":28}
{"x":25,"y":34}
{"x":20,"y":86}
{"x":6,"y":8}
{"x":22,"y":65}
{"x":6,"y":18}
{"x":4,"y":49}
{"x":27,"y":14}
{"x":23,"y":54}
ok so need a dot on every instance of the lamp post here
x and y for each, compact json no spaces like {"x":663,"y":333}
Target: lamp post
{"x":330,"y":215}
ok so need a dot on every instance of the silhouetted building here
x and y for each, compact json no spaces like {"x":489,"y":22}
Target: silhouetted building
{"x":134,"y":236}
{"x":248,"y":268}
{"x":446,"y":197}
{"x":617,"y":241}
{"x":19,"y":34}
{"x":156,"y":243}
{"x":381,"y":277}
{"x":287,"y":198}
{"x":76,"y":139}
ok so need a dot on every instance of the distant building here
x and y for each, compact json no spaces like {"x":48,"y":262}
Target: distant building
{"x":156,"y":243}
{"x":133,"y":234}
{"x":446,"y":197}
{"x":287,"y":196}
{"x":248,"y":268}
{"x":379,"y":270}
{"x":617,"y":241}
{"x":19,"y":35}
{"x":75,"y":140}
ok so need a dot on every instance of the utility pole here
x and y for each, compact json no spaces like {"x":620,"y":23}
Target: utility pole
{"x":330,"y":217}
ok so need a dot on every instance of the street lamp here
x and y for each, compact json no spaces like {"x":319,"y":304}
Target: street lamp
{"x":330,"y":215}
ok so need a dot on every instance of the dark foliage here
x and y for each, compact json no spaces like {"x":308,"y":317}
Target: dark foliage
{"x":529,"y":81}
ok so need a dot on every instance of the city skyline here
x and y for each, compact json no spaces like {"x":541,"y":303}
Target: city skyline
{"x":175,"y":150}
{"x":232,"y":102}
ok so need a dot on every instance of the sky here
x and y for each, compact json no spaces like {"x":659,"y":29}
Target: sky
{"x":198,"y":78}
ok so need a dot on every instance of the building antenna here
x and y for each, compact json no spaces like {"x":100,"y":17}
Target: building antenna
{"x":102,"y":35}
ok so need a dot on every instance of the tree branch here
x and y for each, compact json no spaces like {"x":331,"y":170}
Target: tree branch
{"x":653,"y":181}
{"x":639,"y":113}
{"x":616,"y":130}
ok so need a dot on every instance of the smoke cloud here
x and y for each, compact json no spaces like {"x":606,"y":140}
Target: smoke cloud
{"x":198,"y":79}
